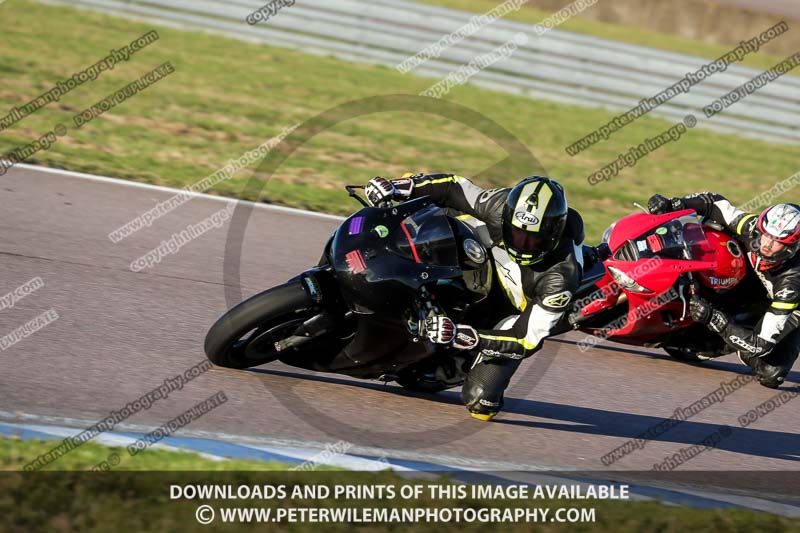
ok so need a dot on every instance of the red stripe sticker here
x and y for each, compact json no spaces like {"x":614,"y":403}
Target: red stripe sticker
{"x":411,"y":243}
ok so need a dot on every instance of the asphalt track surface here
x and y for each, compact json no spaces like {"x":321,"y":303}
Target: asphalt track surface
{"x":121,"y":333}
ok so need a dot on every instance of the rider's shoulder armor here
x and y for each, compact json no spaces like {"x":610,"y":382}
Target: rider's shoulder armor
{"x":489,"y":209}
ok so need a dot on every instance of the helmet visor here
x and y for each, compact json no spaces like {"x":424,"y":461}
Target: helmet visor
{"x":526,"y":247}
{"x":527,"y":242}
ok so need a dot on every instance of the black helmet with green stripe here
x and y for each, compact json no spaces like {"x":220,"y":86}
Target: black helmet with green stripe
{"x":533,"y":219}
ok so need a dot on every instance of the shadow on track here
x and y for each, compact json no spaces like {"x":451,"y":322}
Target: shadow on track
{"x":714,"y":364}
{"x":449,"y":397}
{"x":756,"y":442}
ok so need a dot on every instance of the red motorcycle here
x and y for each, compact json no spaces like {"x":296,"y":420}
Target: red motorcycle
{"x":651,"y":265}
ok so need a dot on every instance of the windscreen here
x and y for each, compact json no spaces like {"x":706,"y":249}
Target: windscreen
{"x":681,"y":238}
{"x":426,"y":237}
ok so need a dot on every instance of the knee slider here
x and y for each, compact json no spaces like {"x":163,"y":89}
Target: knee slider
{"x":471,"y":393}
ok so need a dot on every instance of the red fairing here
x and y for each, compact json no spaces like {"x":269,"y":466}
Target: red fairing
{"x":654,"y":307}
{"x":632,"y":226}
{"x":644,"y":320}
{"x":731,"y":267}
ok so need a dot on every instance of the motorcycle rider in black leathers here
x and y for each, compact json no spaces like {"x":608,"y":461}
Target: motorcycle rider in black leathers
{"x":536,"y":247}
{"x":772,"y":240}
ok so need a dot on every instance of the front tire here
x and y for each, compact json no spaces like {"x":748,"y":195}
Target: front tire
{"x":245,"y":335}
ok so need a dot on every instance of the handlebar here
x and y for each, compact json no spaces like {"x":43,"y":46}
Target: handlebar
{"x":694,"y":287}
{"x":352,"y":193}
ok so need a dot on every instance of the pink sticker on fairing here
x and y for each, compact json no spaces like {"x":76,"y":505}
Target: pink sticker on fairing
{"x":355,"y":261}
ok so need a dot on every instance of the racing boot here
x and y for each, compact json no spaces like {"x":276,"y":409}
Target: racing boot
{"x":772,"y":369}
{"x":483,"y":389}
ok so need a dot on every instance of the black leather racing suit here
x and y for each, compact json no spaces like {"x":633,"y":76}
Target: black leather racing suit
{"x":541,"y":292}
{"x":771,"y":347}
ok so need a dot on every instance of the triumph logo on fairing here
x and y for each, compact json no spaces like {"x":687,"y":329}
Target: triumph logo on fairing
{"x":529,"y":219}
{"x":722,"y":282}
{"x":558,"y":300}
{"x":738,"y":341}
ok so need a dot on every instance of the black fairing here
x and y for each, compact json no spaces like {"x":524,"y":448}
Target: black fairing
{"x":392,"y":276}
{"x":380,"y":258}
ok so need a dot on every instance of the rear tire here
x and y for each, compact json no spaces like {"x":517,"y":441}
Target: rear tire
{"x":245,"y":335}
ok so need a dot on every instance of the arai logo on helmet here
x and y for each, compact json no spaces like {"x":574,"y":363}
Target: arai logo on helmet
{"x":529,"y":219}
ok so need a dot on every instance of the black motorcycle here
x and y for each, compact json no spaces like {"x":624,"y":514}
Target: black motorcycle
{"x":361,"y":311}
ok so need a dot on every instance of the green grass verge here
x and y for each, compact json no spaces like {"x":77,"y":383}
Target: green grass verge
{"x":139,"y":501}
{"x":618,"y":32}
{"x":16,"y":453}
{"x":227,"y":97}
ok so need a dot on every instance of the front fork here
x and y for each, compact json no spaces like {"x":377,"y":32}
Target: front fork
{"x":687,"y":281}
{"x":313,"y":327}
{"x":319,"y":288}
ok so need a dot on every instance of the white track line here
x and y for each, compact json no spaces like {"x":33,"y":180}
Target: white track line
{"x":148,"y":186}
{"x":443,"y":460}
{"x":108,"y":439}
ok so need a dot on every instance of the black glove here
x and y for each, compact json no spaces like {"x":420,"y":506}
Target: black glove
{"x":703,"y":313}
{"x":658,"y":204}
{"x":700,"y":310}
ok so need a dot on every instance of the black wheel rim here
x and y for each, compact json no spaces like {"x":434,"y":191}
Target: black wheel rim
{"x":258,"y":345}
